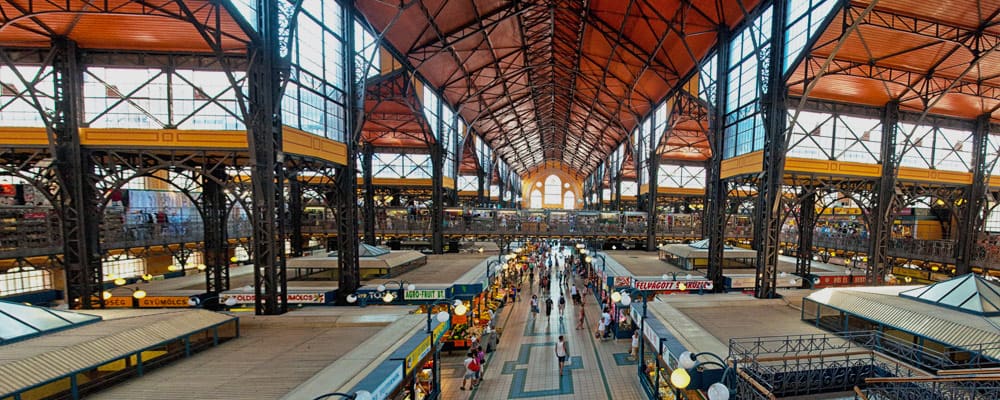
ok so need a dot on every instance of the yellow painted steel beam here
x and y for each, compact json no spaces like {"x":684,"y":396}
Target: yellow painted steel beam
{"x":745,"y":164}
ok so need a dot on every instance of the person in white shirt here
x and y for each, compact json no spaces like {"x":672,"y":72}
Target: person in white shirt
{"x":561,"y":353}
{"x":635,"y":345}
{"x":470,"y":371}
{"x":605,"y":320}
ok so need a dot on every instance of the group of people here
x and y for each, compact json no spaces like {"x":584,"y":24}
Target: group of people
{"x":474,"y":361}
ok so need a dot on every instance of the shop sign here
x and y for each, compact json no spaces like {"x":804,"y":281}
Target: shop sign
{"x":828,"y":280}
{"x":425,"y":346}
{"x":424,"y":294}
{"x":120,"y":302}
{"x":293,"y":298}
{"x":389,"y":385}
{"x":621,"y":281}
{"x":672,"y":285}
{"x":164,"y":301}
{"x":417,"y":354}
{"x":8,"y":190}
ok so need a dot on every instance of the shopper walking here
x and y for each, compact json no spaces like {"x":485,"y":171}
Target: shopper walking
{"x":548,"y":307}
{"x":580,"y":319}
{"x":534,"y":306}
{"x":471,"y":368}
{"x":562,"y":353}
{"x":574,"y":294}
{"x":562,"y":305}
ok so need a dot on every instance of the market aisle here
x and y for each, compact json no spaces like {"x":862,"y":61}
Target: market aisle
{"x":525,"y":365}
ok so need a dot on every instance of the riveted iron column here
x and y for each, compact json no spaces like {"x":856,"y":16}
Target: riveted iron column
{"x":367,"y":154}
{"x":437,"y":198}
{"x":975,"y":198}
{"x":885,"y":193}
{"x":295,"y":215}
{"x":806,"y":223}
{"x":344,"y":195}
{"x":714,"y":213}
{"x":480,"y":188}
{"x":768,"y":208}
{"x":653,"y":162}
{"x":266,"y":159}
{"x":214,"y":208}
{"x":77,"y":197}
{"x":618,"y":190}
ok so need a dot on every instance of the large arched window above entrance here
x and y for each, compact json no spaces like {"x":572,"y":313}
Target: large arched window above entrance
{"x":553,"y":190}
{"x":536,"y":199}
{"x":569,"y":200}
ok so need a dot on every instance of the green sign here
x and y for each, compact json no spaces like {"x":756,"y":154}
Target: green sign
{"x":424,"y":294}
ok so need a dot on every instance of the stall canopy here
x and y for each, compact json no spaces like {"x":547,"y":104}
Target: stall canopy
{"x":969,"y":293}
{"x":19,"y":321}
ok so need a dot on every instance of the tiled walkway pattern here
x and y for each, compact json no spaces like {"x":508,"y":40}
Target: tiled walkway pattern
{"x":525,"y":366}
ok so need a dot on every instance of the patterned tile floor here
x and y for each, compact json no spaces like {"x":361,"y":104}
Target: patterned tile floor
{"x":525,"y":367}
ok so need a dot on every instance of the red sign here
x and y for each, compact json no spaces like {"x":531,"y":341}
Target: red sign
{"x":8,"y":190}
{"x":833,"y":280}
{"x":623,"y":281}
{"x":673,"y":285}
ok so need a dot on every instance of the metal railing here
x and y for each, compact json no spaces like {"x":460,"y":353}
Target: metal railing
{"x":968,"y":388}
{"x":807,"y":364}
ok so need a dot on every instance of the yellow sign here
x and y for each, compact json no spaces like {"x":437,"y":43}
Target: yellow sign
{"x":118,"y":302}
{"x":164,"y":302}
{"x":424,"y":347}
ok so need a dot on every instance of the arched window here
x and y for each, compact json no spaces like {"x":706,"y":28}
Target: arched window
{"x":569,"y":200}
{"x":536,"y":199}
{"x":553,"y":190}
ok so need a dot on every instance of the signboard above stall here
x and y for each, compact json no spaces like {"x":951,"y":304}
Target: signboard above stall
{"x":661,"y":285}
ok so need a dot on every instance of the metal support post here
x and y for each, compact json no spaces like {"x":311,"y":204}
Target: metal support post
{"x":480,"y":188}
{"x":266,"y":160}
{"x":295,"y":215}
{"x":972,"y":207}
{"x":885,"y":197}
{"x":806,"y":224}
{"x":618,"y":190}
{"x":714,"y":217}
{"x":346,"y":187}
{"x":77,"y":197}
{"x":367,"y":155}
{"x":768,"y":208}
{"x":651,"y":212}
{"x":214,"y":211}
{"x":437,"y":199}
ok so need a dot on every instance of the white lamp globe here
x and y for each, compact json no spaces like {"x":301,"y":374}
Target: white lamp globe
{"x":461,"y":310}
{"x":718,"y":391}
{"x":680,"y":378}
{"x":388,"y":298}
{"x":626,"y":300}
{"x":456,"y":303}
{"x":443,"y":316}
{"x":193,"y":301}
{"x":362,"y":395}
{"x":616,"y":297}
{"x":381,"y":288}
{"x":665,"y":276}
{"x":685,"y":360}
{"x":351,"y":298}
{"x":230,"y":301}
{"x":411,"y":287}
